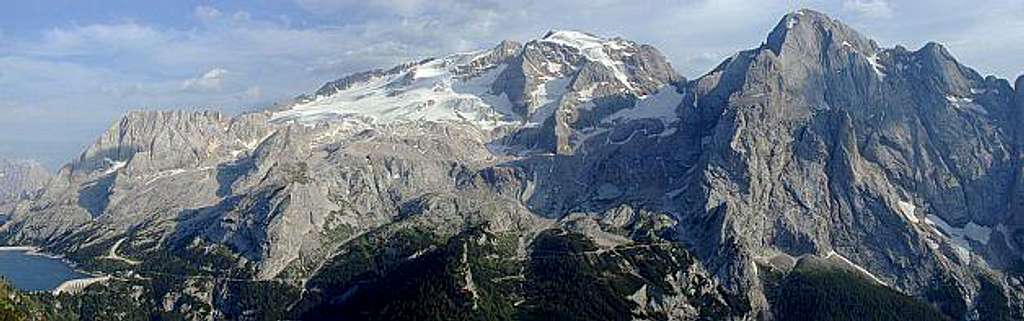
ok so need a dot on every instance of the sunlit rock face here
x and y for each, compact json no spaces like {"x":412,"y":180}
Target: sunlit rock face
{"x":901,"y":165}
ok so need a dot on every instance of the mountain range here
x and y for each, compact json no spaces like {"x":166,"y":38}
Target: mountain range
{"x":573,"y":176}
{"x":19,"y":180}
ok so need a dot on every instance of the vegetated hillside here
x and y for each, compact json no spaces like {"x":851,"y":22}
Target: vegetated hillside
{"x":18,"y":306}
{"x":660,"y":197}
{"x":818,"y":291}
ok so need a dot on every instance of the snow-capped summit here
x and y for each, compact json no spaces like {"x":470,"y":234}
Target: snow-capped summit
{"x":430,"y":90}
{"x":815,"y":149}
{"x":567,"y":79}
{"x":595,"y":49}
{"x":586,"y":42}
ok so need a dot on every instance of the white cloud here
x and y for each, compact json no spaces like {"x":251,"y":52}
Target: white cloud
{"x":241,"y":16}
{"x":96,"y":38}
{"x":212,"y":80}
{"x":398,"y":7}
{"x":206,"y":14}
{"x":869,"y":8}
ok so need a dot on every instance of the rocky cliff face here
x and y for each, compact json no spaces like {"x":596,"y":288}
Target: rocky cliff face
{"x":901,"y":166}
{"x":567,"y":84}
{"x":1016,"y":207}
{"x":821,"y":142}
{"x":147,"y":164}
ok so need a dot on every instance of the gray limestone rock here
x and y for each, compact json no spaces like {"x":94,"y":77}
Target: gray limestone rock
{"x":903,"y":165}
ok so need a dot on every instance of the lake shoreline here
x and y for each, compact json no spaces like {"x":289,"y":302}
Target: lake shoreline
{"x":38,"y":252}
{"x":32,"y":250}
{"x":29,"y":270}
{"x":18,"y":248}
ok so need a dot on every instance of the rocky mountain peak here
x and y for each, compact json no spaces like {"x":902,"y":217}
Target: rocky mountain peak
{"x":153,"y":141}
{"x":638,"y":69}
{"x":929,"y":137}
{"x":947,"y":74}
{"x":565,"y":85}
{"x":487,"y":59}
{"x":804,"y":31}
{"x":1018,"y":87}
{"x":903,"y":166}
{"x":580,"y":40}
{"x":544,"y":91}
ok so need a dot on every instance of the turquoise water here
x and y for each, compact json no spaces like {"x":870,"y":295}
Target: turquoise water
{"x":34,"y":272}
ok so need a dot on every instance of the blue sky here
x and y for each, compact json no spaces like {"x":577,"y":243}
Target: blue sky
{"x":70,"y":68}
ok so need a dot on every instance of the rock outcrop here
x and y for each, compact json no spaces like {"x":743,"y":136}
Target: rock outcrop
{"x":902,"y":167}
{"x":821,"y":142}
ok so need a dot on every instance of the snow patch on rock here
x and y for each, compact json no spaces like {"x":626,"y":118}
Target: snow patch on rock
{"x":873,"y":59}
{"x":114,"y":166}
{"x":547,"y":97}
{"x":876,"y":65}
{"x":429,"y":91}
{"x":965,"y":104}
{"x":971,"y":231}
{"x":908,"y":209}
{"x":959,"y":237}
{"x":594,"y":49}
{"x":661,"y":105}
